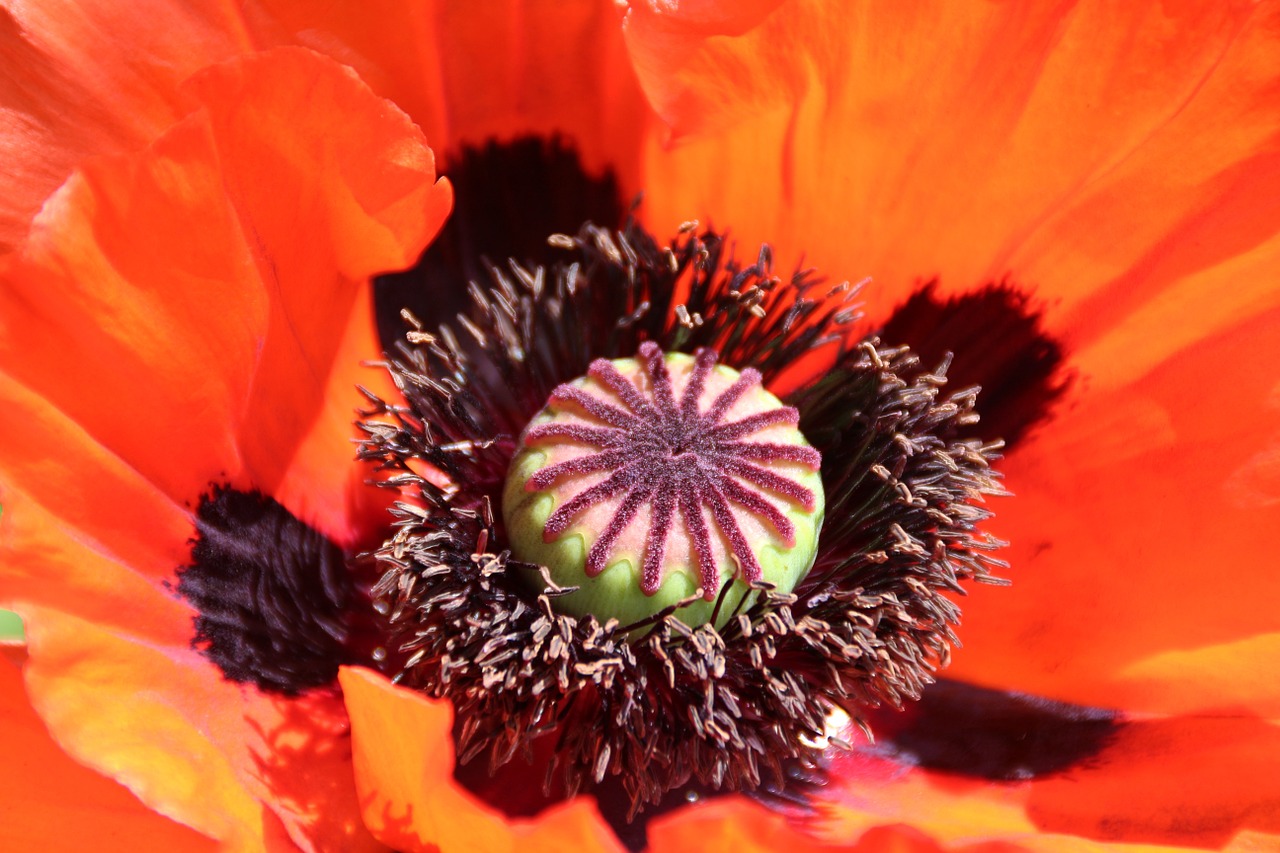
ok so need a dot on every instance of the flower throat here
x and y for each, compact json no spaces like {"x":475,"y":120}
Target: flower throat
{"x":651,"y":702}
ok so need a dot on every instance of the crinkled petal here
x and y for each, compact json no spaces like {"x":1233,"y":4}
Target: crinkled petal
{"x":1096,"y":153}
{"x":547,"y":67}
{"x":1201,"y":780}
{"x":192,"y":286}
{"x":52,"y":803}
{"x":732,"y":823}
{"x":196,"y":313}
{"x":404,"y":763}
{"x":80,"y":78}
{"x":156,"y":718}
{"x":91,"y":77}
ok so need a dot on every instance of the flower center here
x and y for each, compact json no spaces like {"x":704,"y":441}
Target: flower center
{"x":667,"y":474}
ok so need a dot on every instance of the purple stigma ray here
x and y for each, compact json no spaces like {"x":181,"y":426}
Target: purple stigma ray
{"x":704,"y":361}
{"x":749,"y":378}
{"x":573,"y":432}
{"x":598,"y":556}
{"x":560,"y":520}
{"x":692,"y":513}
{"x":668,"y":460}
{"x":657,"y":366}
{"x":761,"y":507}
{"x":766,"y":451}
{"x":768,"y":480}
{"x":604,"y":370}
{"x":746,"y":426}
{"x":656,"y":542}
{"x":574,"y":467}
{"x":595,"y":406}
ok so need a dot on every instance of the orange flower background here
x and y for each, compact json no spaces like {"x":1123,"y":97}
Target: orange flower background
{"x":198,"y":194}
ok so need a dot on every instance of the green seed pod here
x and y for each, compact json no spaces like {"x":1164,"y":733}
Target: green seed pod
{"x":660,"y":479}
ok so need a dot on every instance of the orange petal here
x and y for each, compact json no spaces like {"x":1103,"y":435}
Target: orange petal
{"x":368,"y":201}
{"x":1157,"y":784}
{"x":1141,"y":516}
{"x":83,"y":78}
{"x":79,"y":79}
{"x":869,"y":791}
{"x":1065,"y":143}
{"x":52,"y":803}
{"x":240,"y":766}
{"x":542,"y":68}
{"x":137,"y":714}
{"x":404,"y":772}
{"x":681,"y":73}
{"x":82,"y":528}
{"x":1066,"y":146}
{"x":142,"y":349}
{"x":1195,"y":782}
{"x":736,"y":824}
{"x":228,"y":335}
{"x":733,"y":823}
{"x":1236,"y":674}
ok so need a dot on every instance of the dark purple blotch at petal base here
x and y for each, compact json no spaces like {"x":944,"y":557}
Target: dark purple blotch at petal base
{"x":508,"y":196}
{"x":1000,"y":343}
{"x":992,"y":734}
{"x":271,"y":593}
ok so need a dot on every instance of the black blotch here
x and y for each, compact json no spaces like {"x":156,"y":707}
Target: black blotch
{"x":508,"y":198}
{"x":990,"y":734}
{"x":272,"y":593}
{"x":999,"y":343}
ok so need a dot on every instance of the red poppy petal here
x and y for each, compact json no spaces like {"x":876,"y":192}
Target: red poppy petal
{"x":541,"y":68}
{"x":84,"y":78}
{"x":1189,"y":782}
{"x":1201,"y":781}
{"x":1141,"y":529}
{"x":966,"y":141}
{"x":679,"y":69}
{"x":51,"y":803}
{"x":403,"y":764}
{"x":115,"y":582}
{"x":869,"y":791}
{"x":404,"y":772}
{"x":1237,"y":674}
{"x":732,"y":823}
{"x":135,"y":350}
{"x":225,"y":339}
{"x":240,"y":766}
{"x":119,"y":706}
{"x":370,"y":203}
{"x":742,"y":826}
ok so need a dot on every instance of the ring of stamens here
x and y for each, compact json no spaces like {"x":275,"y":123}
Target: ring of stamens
{"x":732,"y":705}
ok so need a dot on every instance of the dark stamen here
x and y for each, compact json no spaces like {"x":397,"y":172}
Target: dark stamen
{"x":733,"y":707}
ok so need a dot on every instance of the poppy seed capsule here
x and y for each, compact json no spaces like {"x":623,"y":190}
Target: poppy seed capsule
{"x":658,"y":478}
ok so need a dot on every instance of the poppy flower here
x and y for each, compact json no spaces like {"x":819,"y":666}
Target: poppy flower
{"x":1060,"y":153}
